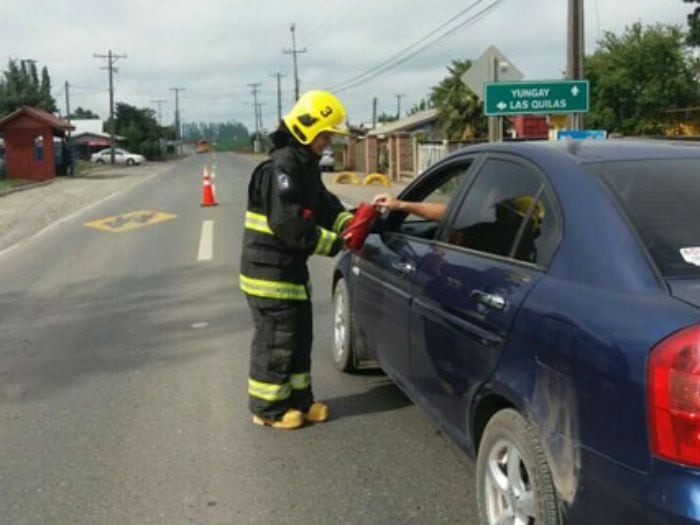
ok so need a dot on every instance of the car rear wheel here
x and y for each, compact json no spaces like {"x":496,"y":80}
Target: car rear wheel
{"x":130,"y":162}
{"x":514,"y":484}
{"x":100,"y":161}
{"x":344,"y":357}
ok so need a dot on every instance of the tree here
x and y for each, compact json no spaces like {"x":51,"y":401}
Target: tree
{"x":386,"y":117}
{"x":80,"y":113}
{"x":638,"y":76}
{"x":460,"y":112}
{"x":423,"y":105}
{"x":20,"y":86}
{"x":140,"y":129}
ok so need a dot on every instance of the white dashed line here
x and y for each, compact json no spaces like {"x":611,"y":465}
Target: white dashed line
{"x":206,"y":242}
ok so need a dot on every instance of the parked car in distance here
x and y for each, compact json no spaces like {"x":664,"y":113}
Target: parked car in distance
{"x":327,"y":162}
{"x":549,"y":322}
{"x":120,"y":157}
{"x":203,"y":146}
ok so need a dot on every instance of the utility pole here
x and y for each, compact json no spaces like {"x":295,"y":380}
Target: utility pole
{"x":260,"y":120}
{"x":495,"y":123}
{"x":294,"y":52}
{"x":399,"y":96}
{"x":178,"y":133}
{"x":255,"y":87}
{"x":279,"y":76}
{"x":374,"y":113}
{"x":68,"y":105}
{"x":111,"y":60}
{"x":575,"y":51}
{"x":159,"y":102}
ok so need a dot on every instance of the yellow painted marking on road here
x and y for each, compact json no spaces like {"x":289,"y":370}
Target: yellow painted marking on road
{"x":129,"y":221}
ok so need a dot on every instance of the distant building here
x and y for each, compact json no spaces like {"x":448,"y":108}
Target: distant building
{"x":422,"y":121}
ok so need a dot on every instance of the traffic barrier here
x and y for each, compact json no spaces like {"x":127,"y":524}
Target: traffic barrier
{"x":376,"y":177}
{"x":208,"y":198}
{"x":345,"y":177}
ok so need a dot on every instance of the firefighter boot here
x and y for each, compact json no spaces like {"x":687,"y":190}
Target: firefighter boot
{"x":318,"y":413}
{"x":290,"y":420}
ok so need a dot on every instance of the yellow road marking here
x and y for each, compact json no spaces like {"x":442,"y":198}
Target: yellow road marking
{"x":129,"y":221}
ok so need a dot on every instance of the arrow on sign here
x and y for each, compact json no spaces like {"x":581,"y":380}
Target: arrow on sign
{"x":501,"y":105}
{"x":575,"y":90}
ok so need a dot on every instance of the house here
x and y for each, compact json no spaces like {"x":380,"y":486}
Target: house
{"x":29,"y":143}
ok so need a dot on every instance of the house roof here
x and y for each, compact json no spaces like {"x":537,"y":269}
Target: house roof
{"x":407,"y":123}
{"x":36,"y":114}
{"x":96,"y":135}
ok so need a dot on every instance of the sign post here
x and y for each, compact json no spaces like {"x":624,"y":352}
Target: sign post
{"x":492,"y":66}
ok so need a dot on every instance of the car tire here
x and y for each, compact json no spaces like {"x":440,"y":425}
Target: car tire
{"x":513,"y":480}
{"x":130,"y":162}
{"x":343,"y":340}
{"x":100,"y":161}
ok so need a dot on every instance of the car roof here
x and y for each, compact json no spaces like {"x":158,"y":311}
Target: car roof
{"x":590,"y":151}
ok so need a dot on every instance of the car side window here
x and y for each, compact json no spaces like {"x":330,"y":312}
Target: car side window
{"x":441,"y":189}
{"x":506,"y":212}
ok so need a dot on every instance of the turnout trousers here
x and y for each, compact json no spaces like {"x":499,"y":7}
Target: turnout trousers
{"x":280,"y":357}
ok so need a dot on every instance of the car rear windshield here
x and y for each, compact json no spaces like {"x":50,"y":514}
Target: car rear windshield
{"x":662,"y":199}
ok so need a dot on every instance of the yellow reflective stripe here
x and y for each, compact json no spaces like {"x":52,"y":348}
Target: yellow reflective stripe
{"x":273,"y":289}
{"x":325,"y":241}
{"x":341,"y":221}
{"x":268,"y":391}
{"x":257,"y":222}
{"x":300,"y":381}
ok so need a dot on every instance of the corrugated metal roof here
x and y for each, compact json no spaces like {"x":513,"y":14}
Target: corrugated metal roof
{"x":409,"y":122}
{"x":36,"y":114}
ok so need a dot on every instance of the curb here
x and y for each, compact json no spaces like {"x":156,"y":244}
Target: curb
{"x":27,"y":187}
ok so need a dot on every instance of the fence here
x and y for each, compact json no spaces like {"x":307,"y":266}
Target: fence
{"x":429,"y":154}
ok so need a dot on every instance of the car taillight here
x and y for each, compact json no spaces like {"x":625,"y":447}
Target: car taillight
{"x":674,"y":397}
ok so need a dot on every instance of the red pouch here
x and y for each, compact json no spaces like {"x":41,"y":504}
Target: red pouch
{"x":360,"y":225}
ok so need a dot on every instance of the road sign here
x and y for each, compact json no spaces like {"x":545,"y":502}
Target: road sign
{"x":491,"y":62}
{"x":545,"y":96}
{"x":596,"y":134}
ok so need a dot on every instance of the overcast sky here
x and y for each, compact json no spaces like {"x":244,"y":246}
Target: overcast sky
{"x":215,"y":48}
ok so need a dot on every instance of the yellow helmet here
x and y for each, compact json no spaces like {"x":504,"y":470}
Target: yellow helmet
{"x":316,"y":112}
{"x":521,"y":205}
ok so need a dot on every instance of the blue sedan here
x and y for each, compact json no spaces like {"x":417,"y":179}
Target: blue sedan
{"x":549,"y":322}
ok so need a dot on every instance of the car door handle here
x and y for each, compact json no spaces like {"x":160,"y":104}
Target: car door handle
{"x":489,"y":299}
{"x":402,"y":267}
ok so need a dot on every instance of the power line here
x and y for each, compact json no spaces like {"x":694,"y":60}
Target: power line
{"x":394,"y":61}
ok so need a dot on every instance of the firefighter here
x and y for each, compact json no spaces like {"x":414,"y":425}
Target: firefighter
{"x":290,"y":216}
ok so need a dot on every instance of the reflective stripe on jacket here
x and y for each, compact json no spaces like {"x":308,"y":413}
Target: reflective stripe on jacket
{"x":290,"y":216}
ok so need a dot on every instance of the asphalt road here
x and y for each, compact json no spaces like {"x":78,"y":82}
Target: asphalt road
{"x":123,"y":368}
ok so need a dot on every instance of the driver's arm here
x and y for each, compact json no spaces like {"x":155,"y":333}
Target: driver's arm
{"x":432,"y":211}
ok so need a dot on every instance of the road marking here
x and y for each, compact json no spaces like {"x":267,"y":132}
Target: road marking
{"x":203,"y":324}
{"x":206,"y":242}
{"x":129,"y":221}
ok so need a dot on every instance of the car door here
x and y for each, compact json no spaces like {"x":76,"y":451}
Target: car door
{"x":471,"y":281}
{"x":385,"y":270}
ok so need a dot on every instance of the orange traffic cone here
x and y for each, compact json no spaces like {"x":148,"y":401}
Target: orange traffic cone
{"x":207,"y":190}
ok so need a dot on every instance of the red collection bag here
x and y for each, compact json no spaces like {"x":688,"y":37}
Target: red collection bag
{"x":360,"y":225}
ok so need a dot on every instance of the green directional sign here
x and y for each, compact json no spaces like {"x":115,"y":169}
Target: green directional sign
{"x":546,"y":96}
